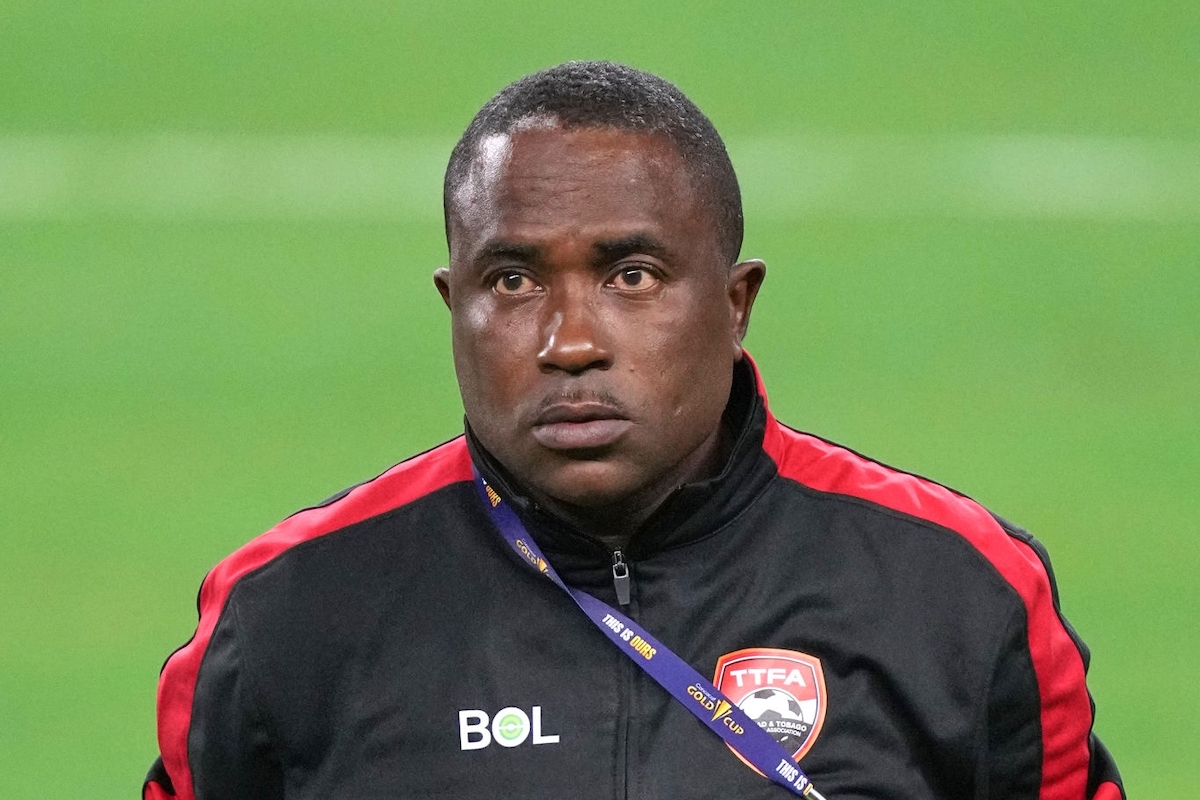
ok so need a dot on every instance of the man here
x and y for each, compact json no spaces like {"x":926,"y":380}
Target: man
{"x":893,"y":638}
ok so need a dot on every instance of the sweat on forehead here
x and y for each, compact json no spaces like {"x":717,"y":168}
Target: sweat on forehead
{"x":561,"y":147}
{"x":490,"y":159}
{"x":601,"y":94}
{"x":539,"y":185}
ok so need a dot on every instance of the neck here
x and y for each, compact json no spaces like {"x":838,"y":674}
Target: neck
{"x":612,"y":524}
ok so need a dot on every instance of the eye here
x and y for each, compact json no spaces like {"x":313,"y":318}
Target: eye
{"x":513,"y":283}
{"x":636,"y":279}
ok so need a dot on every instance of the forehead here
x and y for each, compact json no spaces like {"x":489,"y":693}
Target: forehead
{"x":542,"y":180}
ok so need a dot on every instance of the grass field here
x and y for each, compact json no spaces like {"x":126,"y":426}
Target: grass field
{"x":218,"y":224}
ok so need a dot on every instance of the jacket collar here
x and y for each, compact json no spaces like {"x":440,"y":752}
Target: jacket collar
{"x":691,"y":512}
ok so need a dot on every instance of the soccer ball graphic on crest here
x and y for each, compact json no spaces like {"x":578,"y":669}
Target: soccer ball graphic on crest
{"x":780,"y":714}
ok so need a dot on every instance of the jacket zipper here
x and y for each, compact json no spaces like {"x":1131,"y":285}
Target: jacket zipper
{"x":620,"y":571}
{"x":622,"y":582}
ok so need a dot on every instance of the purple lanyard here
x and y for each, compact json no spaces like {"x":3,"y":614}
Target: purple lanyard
{"x":670,"y":671}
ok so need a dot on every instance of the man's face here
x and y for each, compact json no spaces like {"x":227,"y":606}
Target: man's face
{"x":595,"y":326}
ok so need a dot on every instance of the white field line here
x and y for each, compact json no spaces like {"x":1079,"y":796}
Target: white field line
{"x":184,"y":176}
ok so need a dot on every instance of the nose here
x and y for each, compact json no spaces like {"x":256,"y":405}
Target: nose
{"x":572,"y":336}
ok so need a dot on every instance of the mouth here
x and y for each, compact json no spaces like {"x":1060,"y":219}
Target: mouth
{"x":579,"y":426}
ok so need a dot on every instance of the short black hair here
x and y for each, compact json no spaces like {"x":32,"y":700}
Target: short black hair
{"x":602,"y":94}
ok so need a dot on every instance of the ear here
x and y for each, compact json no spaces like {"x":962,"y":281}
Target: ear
{"x":441,"y":279}
{"x":742,"y":287}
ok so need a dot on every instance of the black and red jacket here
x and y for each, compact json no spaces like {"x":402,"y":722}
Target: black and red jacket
{"x":359,"y":649}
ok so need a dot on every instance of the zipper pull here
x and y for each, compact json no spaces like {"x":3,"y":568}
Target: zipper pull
{"x":621,"y":578}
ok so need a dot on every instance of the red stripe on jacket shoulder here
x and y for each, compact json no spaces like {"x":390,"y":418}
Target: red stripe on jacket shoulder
{"x":1066,"y":713}
{"x":152,"y":791}
{"x":403,"y":483}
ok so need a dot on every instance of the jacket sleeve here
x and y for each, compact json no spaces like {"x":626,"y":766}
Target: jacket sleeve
{"x":212,"y":739}
{"x":1040,"y":742}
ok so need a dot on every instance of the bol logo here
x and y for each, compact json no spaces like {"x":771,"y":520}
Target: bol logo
{"x":510,"y":727}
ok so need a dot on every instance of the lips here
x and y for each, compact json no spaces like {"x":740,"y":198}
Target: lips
{"x":579,"y":426}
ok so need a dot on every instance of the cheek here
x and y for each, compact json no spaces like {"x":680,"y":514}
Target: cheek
{"x":487,"y":348}
{"x":685,"y":342}
{"x":686,"y":366}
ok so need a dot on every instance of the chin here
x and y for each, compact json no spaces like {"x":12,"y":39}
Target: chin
{"x":589,"y":484}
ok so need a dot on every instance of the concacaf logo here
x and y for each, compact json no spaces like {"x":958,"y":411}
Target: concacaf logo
{"x":781,"y":690}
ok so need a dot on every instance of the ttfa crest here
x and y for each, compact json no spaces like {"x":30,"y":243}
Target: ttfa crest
{"x":783,"y":691}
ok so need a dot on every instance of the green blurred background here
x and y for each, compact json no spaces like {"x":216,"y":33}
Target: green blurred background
{"x":218,"y":223}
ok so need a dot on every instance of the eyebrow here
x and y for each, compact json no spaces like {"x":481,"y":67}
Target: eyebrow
{"x":506,"y":251}
{"x":604,"y":252}
{"x":610,"y":250}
